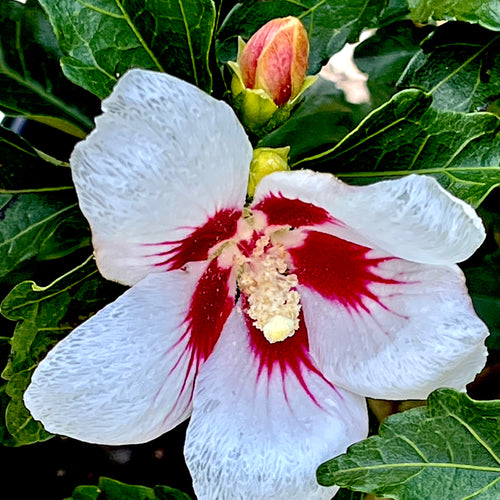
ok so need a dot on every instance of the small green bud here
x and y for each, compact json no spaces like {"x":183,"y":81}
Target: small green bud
{"x":266,"y":161}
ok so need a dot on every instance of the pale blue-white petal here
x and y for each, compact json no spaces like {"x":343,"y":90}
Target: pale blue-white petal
{"x":121,"y":377}
{"x":411,"y":330}
{"x":260,"y":436}
{"x":163,"y":159}
{"x":412,"y":217}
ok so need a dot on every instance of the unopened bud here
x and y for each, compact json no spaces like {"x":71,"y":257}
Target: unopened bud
{"x":270,"y":74}
{"x":275,"y":59}
{"x":266,"y":161}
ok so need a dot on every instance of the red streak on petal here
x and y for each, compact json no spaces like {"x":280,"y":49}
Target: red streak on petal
{"x":210,"y":307}
{"x":337,"y":269}
{"x":246,"y":247}
{"x":290,"y":357}
{"x":296,"y":213}
{"x":197,"y":245}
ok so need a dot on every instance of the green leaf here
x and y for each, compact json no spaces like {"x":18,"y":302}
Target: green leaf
{"x":406,"y":135}
{"x":451,"y":447}
{"x":101,"y":39}
{"x":484,"y":12}
{"x":30,"y":224}
{"x":45,"y":315}
{"x":85,"y":492}
{"x":167,"y":493}
{"x":384,"y":56}
{"x":23,"y":170}
{"x":483,"y":270}
{"x":329,"y":23}
{"x":488,"y":309}
{"x":5,"y":438}
{"x":19,"y":423}
{"x":31,"y":79}
{"x":324,"y":113}
{"x":345,"y":494}
{"x":459,"y":65}
{"x":109,"y":489}
{"x":394,"y":11}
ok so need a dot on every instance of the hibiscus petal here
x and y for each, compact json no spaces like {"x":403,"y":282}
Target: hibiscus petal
{"x":164,"y":158}
{"x":384,"y":327}
{"x":413,"y":218}
{"x":126,"y":375}
{"x":258,"y":433}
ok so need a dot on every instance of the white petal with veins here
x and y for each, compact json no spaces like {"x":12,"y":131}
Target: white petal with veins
{"x":118,"y":377}
{"x":413,"y":217}
{"x":420,"y":335}
{"x":249,"y":439}
{"x":164,"y":157}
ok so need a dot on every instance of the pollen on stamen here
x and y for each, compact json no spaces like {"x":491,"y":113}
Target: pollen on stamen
{"x":279,"y":328}
{"x":273,"y":302}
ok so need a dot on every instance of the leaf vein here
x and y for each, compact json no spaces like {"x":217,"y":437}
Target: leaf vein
{"x":465,"y":63}
{"x":139,"y":36}
{"x":40,"y":222}
{"x":188,"y":37}
{"x":483,"y":489}
{"x":477,"y":437}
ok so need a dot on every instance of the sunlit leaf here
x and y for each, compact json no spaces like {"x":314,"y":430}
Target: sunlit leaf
{"x":406,"y":135}
{"x":484,"y":12}
{"x":451,"y":447}
{"x":101,"y":39}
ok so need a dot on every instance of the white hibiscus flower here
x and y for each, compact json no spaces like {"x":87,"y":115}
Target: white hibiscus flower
{"x":268,"y":324}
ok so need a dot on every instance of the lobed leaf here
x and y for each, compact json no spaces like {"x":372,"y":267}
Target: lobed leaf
{"x":484,"y":12}
{"x":101,"y":39}
{"x":329,"y":23}
{"x":406,"y":135}
{"x":31,"y":79}
{"x":44,"y":316}
{"x":451,"y":447}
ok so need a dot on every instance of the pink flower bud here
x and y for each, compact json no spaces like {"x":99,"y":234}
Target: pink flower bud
{"x":275,"y":59}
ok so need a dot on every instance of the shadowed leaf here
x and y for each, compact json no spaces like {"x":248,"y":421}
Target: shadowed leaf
{"x":31,"y":79}
{"x":45,"y":315}
{"x":460,"y":65}
{"x":406,"y":135}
